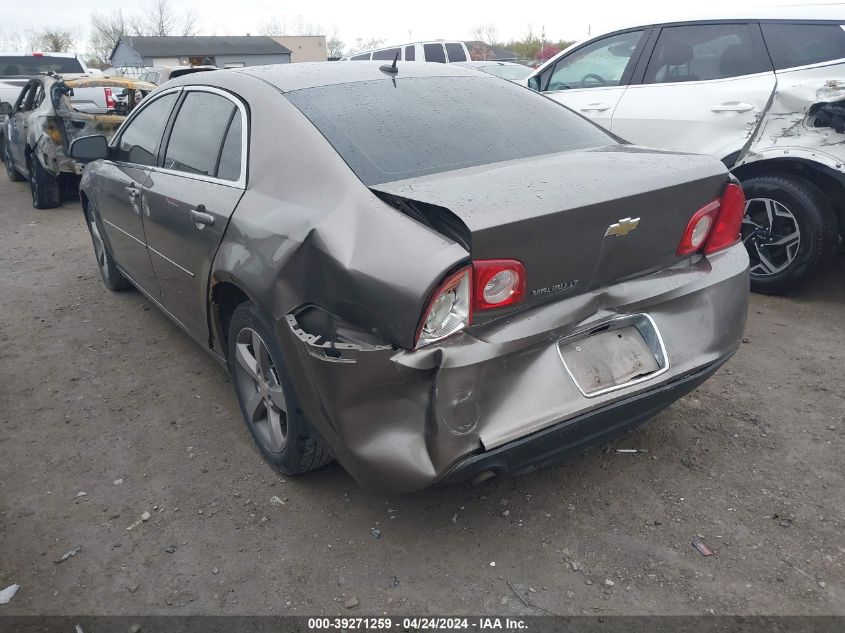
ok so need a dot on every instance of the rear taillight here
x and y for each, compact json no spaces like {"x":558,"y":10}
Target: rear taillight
{"x":699,"y":228}
{"x":716,"y":225}
{"x":729,"y":221}
{"x":486,"y":284}
{"x":497,"y":283}
{"x":449,"y":310}
{"x":109,"y":98}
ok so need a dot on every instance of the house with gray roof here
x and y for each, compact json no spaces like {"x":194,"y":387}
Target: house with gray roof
{"x":223,"y":51}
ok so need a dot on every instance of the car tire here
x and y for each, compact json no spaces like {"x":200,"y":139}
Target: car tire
{"x":788,"y":230}
{"x":13,"y":174}
{"x":113,"y":279}
{"x":266,"y":396}
{"x":46,"y":193}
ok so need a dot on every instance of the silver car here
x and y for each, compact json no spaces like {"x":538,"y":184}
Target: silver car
{"x":398,"y":281}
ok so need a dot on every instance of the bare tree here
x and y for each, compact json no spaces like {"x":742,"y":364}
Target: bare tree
{"x":334,"y":45}
{"x":56,"y":41}
{"x":189,"y":24}
{"x":365,"y":45}
{"x":10,"y":41}
{"x":32,"y":39}
{"x":486,"y":33}
{"x":308,"y":28}
{"x":158,"y":19}
{"x":105,"y":31}
{"x":290,"y":25}
{"x":273,"y":26}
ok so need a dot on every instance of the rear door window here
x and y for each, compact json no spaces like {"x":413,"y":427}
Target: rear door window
{"x":455,"y":52}
{"x":410,"y":53}
{"x":38,"y":98}
{"x":792,"y":45}
{"x":388,"y":53}
{"x":705,"y":52}
{"x":24,"y":96}
{"x":198,"y":133}
{"x":140,"y":140}
{"x":361,"y":57}
{"x":28,"y":65}
{"x":434,"y":53}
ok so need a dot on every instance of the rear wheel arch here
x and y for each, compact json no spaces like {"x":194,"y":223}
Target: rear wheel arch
{"x":83,"y":198}
{"x":829,"y":183}
{"x":226,"y":295}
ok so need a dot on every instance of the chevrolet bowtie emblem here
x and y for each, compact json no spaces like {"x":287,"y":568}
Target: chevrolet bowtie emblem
{"x":623,"y":227}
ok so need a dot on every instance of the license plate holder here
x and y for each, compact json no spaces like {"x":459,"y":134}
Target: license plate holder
{"x":614,"y":356}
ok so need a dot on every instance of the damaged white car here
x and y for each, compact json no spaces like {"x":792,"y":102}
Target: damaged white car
{"x":43,"y":121}
{"x":764,"y":93}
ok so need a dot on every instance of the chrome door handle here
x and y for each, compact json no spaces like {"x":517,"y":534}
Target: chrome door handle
{"x":595,"y":107}
{"x":732,"y":107}
{"x":201,"y":218}
{"x":132,"y":192}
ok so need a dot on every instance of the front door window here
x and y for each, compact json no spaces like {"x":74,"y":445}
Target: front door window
{"x":601,"y":63}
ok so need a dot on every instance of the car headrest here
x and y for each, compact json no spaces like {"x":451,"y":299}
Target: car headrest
{"x":11,"y":69}
{"x":735,"y":60}
{"x":676,"y":52}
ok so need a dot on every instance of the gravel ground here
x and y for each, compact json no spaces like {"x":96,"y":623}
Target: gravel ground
{"x":108,"y":411}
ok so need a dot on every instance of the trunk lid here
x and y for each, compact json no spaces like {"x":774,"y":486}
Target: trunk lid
{"x":571,"y":218}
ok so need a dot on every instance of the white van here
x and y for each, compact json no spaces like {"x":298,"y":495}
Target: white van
{"x":442,"y":51}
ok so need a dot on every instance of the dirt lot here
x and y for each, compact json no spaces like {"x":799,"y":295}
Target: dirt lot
{"x":97,"y":387}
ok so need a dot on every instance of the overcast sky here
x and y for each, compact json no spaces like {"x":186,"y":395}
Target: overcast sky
{"x":394,"y":21}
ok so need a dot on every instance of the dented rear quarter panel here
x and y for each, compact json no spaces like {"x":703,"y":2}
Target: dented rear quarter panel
{"x":338,"y":246}
{"x":786,"y":128}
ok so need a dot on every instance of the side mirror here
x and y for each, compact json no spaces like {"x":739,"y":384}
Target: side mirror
{"x":88,"y":148}
{"x":534,"y":82}
{"x":5,"y":107}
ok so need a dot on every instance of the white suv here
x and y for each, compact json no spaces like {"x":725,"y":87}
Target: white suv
{"x":765,"y":94}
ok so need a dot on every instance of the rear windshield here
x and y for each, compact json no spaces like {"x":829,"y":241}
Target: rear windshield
{"x":27,"y":65}
{"x":427,"y":125}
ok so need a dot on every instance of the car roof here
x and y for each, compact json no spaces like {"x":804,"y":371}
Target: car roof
{"x":34,"y":54}
{"x":290,"y":77}
{"x":807,"y":12}
{"x":387,"y":48}
{"x":804,"y":13}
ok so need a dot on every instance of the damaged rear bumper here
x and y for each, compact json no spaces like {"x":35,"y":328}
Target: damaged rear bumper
{"x":498,"y":397}
{"x":551,"y":445}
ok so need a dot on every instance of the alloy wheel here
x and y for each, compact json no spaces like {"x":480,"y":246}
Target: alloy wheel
{"x":261,"y":391}
{"x":771,"y":235}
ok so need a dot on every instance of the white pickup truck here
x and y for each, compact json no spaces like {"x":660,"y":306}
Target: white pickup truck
{"x":16,"y":69}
